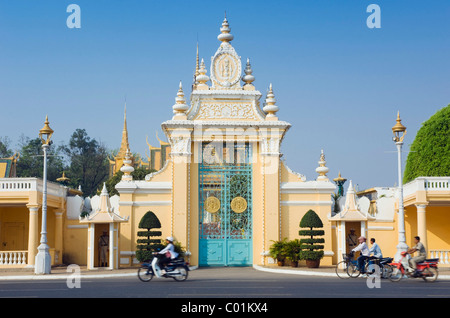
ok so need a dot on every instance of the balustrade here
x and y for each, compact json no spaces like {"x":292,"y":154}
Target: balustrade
{"x":443,"y":255}
{"x":13,"y":257}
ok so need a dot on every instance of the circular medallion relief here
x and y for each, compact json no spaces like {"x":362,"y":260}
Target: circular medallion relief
{"x":226,"y":70}
{"x":212,"y":204}
{"x":239,"y":204}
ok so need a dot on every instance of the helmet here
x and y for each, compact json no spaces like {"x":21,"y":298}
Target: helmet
{"x":169,"y":238}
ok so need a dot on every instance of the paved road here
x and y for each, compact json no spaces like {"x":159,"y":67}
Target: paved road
{"x":225,"y":283}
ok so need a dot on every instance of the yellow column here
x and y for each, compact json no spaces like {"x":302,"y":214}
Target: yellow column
{"x":180,"y":199}
{"x":271,"y":200}
{"x":33,"y":233}
{"x":422,"y":223}
{"x":58,"y":236}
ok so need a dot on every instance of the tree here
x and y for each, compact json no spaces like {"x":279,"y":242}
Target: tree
{"x":31,"y":160}
{"x":430,"y":151}
{"x":88,"y":162}
{"x":311,"y":250}
{"x":5,"y":151}
{"x":146,"y":246}
{"x":138,"y":174}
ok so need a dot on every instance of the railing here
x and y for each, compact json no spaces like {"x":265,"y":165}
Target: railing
{"x":443,"y":255}
{"x":30,"y":184}
{"x":427,"y":184}
{"x":433,"y":184}
{"x":13,"y":257}
{"x":15,"y":184}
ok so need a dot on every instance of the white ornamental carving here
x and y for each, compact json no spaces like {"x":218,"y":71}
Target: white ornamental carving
{"x":226,"y":111}
{"x":270,"y":146}
{"x":180,"y":145}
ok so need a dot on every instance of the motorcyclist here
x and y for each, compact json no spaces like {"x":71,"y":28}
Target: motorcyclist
{"x":168,"y":253}
{"x":419,"y":258}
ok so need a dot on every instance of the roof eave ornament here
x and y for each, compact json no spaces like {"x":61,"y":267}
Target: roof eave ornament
{"x":270,"y":108}
{"x":180,"y":107}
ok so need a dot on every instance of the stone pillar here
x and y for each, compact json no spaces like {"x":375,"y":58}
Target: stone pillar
{"x":270,"y":170}
{"x":58,"y":236}
{"x":179,"y":211}
{"x":33,"y":232}
{"x":91,"y":246}
{"x":422,"y":224}
{"x":181,"y":145}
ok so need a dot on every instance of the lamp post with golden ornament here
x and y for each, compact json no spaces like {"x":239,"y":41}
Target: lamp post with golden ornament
{"x":43,"y":259}
{"x":399,"y":132}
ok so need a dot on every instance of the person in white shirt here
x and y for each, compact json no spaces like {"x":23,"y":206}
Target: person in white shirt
{"x":375,"y":249}
{"x":362,"y":247}
{"x":168,"y":253}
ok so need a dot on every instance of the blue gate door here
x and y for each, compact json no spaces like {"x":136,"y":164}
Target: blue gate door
{"x":225,"y":207}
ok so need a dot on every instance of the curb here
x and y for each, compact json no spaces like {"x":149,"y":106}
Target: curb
{"x":63,"y":276}
{"x":311,"y":273}
{"x":70,"y":275}
{"x":293,"y":272}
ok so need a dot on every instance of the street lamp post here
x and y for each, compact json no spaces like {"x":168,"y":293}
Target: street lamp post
{"x":399,"y":132}
{"x":43,"y":260}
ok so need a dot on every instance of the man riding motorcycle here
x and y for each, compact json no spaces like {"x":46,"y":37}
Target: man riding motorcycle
{"x":419,"y":258}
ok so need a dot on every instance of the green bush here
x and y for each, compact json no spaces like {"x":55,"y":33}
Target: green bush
{"x":146,"y":244}
{"x":429,"y":155}
{"x":310,"y":249}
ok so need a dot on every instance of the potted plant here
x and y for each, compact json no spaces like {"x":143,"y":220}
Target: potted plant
{"x":311,"y":248}
{"x":277,"y":252}
{"x":292,"y":250}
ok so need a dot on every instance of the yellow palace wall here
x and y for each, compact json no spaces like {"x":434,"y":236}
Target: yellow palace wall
{"x":438,"y":234}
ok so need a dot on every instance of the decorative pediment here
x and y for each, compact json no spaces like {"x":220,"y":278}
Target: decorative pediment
{"x":227,"y":110}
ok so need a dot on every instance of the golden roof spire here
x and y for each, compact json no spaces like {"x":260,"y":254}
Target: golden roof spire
{"x":197,"y":66}
{"x":124,"y":146}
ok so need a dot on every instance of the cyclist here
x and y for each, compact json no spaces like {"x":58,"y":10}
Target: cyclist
{"x":362,"y":247}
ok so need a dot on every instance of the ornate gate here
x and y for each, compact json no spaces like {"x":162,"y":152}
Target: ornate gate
{"x":225,"y":205}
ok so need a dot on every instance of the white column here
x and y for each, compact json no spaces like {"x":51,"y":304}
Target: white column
{"x":112,"y":245}
{"x":363,"y":229}
{"x":422,"y":223}
{"x":91,"y":246}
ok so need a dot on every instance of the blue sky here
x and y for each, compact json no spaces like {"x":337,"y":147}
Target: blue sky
{"x":339,"y":83}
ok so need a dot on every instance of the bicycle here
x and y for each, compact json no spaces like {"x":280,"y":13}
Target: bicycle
{"x":346,"y":266}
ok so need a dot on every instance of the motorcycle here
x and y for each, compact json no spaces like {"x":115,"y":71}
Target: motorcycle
{"x":384,"y":266}
{"x":177,"y":269}
{"x":427,"y":270}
